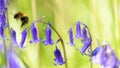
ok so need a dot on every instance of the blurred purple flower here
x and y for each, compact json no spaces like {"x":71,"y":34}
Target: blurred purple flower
{"x":106,"y":57}
{"x":100,"y":57}
{"x":34,"y":35}
{"x":13,"y":37}
{"x":2,"y":5}
{"x":48,"y":40}
{"x":1,"y":46}
{"x":112,"y":61}
{"x":78,"y":30}
{"x":23,"y":38}
{"x":1,"y":31}
{"x":58,"y":60}
{"x":11,"y":58}
{"x":70,"y":37}
{"x":3,"y":19}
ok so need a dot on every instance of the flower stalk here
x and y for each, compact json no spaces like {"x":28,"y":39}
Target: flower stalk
{"x":62,"y":42}
{"x":91,"y":64}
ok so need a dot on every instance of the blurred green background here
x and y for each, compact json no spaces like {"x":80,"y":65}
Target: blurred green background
{"x":101,"y":16}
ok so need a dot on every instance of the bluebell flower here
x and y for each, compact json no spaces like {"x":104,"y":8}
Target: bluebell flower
{"x":84,"y":34}
{"x":11,"y":58}
{"x":48,"y":40}
{"x":3,"y":19}
{"x":100,"y":57}
{"x":105,"y":57}
{"x":86,"y":41}
{"x":58,"y":60}
{"x":95,"y":51}
{"x":78,"y":30}
{"x":34,"y":35}
{"x":85,"y":46}
{"x":70,"y":37}
{"x":23,"y":38}
{"x":1,"y":31}
{"x":13,"y":37}
{"x":2,"y":5}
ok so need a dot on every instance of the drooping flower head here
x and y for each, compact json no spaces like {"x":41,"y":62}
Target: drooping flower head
{"x":23,"y":38}
{"x":70,"y":37}
{"x":58,"y":60}
{"x":48,"y":40}
{"x":1,"y":31}
{"x":78,"y":30}
{"x":13,"y":37}
{"x":34,"y":34}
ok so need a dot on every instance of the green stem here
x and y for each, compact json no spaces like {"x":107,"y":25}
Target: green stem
{"x":91,"y":64}
{"x":63,"y":45}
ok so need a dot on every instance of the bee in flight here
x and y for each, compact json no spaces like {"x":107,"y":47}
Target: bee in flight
{"x":20,"y":16}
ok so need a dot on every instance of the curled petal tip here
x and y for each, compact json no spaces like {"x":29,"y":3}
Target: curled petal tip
{"x":35,"y":41}
{"x":48,"y":43}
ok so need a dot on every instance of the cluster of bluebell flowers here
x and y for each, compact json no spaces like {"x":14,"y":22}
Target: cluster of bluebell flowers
{"x":83,"y":35}
{"x":102,"y":54}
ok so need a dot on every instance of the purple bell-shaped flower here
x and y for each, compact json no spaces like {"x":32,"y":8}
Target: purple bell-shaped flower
{"x":48,"y":40}
{"x":34,"y":35}
{"x":1,"y":31}
{"x":86,"y":41}
{"x":13,"y":37}
{"x":95,"y":51}
{"x":78,"y":30}
{"x":58,"y":60}
{"x":23,"y":38}
{"x":84,"y":34}
{"x":70,"y":37}
{"x":85,"y":46}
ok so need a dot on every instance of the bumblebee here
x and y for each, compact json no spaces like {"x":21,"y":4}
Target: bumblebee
{"x":20,"y":16}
